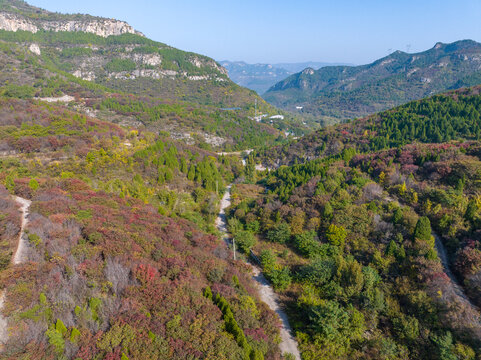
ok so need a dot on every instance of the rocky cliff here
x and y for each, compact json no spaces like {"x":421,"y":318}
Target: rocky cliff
{"x":99,"y":26}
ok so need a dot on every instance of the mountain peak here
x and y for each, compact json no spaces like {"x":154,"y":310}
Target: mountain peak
{"x":352,"y":91}
{"x":308,"y":71}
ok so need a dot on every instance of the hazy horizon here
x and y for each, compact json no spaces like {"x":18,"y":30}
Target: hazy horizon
{"x":284,"y":32}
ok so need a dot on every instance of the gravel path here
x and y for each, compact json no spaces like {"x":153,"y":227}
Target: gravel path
{"x":18,"y":258}
{"x":267,"y":294}
{"x":288,"y":342}
{"x":456,"y":286}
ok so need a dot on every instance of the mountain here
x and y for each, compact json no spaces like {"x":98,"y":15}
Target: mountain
{"x":370,"y":231}
{"x":119,"y":255}
{"x":260,"y":77}
{"x":111,"y":70}
{"x":18,"y":15}
{"x":333,"y":94}
{"x":110,"y":184}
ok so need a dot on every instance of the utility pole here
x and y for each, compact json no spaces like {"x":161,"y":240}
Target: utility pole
{"x":233,"y":245}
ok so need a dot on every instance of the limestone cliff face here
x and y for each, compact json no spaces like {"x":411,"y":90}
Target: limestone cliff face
{"x":99,"y":26}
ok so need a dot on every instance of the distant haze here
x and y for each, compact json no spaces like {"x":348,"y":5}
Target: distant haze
{"x":274,"y":31}
{"x":260,"y":77}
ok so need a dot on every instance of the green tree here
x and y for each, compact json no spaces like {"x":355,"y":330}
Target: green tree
{"x":336,"y":235}
{"x":245,"y":240}
{"x":471,"y":211}
{"x":422,"y":231}
{"x":280,"y":277}
{"x":33,"y":184}
{"x":307,"y":243}
{"x":281,"y":233}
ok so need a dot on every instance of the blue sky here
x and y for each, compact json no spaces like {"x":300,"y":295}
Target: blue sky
{"x":353,"y":31}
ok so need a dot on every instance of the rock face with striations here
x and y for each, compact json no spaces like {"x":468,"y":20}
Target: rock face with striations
{"x":98,"y":26}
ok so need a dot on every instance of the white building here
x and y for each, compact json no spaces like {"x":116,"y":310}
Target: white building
{"x":281,"y":117}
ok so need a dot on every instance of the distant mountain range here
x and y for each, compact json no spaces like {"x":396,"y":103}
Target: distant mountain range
{"x":260,"y":77}
{"x":335,"y":93}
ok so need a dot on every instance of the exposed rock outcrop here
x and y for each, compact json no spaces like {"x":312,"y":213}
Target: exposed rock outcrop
{"x":97,"y":26}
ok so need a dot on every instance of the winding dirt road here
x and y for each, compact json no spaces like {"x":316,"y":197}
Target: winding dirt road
{"x":288,"y":342}
{"x":456,"y":289}
{"x":18,"y":258}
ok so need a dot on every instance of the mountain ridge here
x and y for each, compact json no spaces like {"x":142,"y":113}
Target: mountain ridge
{"x":334,"y":94}
{"x":261,"y":76}
{"x":158,"y":86}
{"x":18,"y":15}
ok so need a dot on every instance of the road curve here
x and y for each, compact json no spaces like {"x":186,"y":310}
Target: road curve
{"x":18,"y":258}
{"x":288,"y":342}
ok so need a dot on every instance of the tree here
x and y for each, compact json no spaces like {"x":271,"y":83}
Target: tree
{"x":328,"y":211}
{"x":471,"y":211}
{"x":297,"y":222}
{"x":334,"y":323}
{"x":245,"y":240}
{"x":444,"y":346}
{"x":397,"y":216}
{"x":422,"y":230}
{"x":33,"y":184}
{"x":280,"y":277}
{"x":281,"y":233}
{"x":307,"y":244}
{"x":268,"y":260}
{"x":336,"y":235}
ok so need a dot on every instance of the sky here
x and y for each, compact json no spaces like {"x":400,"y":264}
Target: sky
{"x":272,"y":31}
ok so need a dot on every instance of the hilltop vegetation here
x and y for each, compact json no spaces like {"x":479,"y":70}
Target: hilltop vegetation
{"x":441,"y":118}
{"x":334,"y":94}
{"x":27,"y":75}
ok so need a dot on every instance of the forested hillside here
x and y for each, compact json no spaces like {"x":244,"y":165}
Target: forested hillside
{"x":441,"y":118}
{"x":122,"y":260}
{"x":182,"y":92}
{"x":371,"y":235}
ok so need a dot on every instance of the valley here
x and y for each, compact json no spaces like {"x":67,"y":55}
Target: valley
{"x":260,"y":77}
{"x":151,"y":207}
